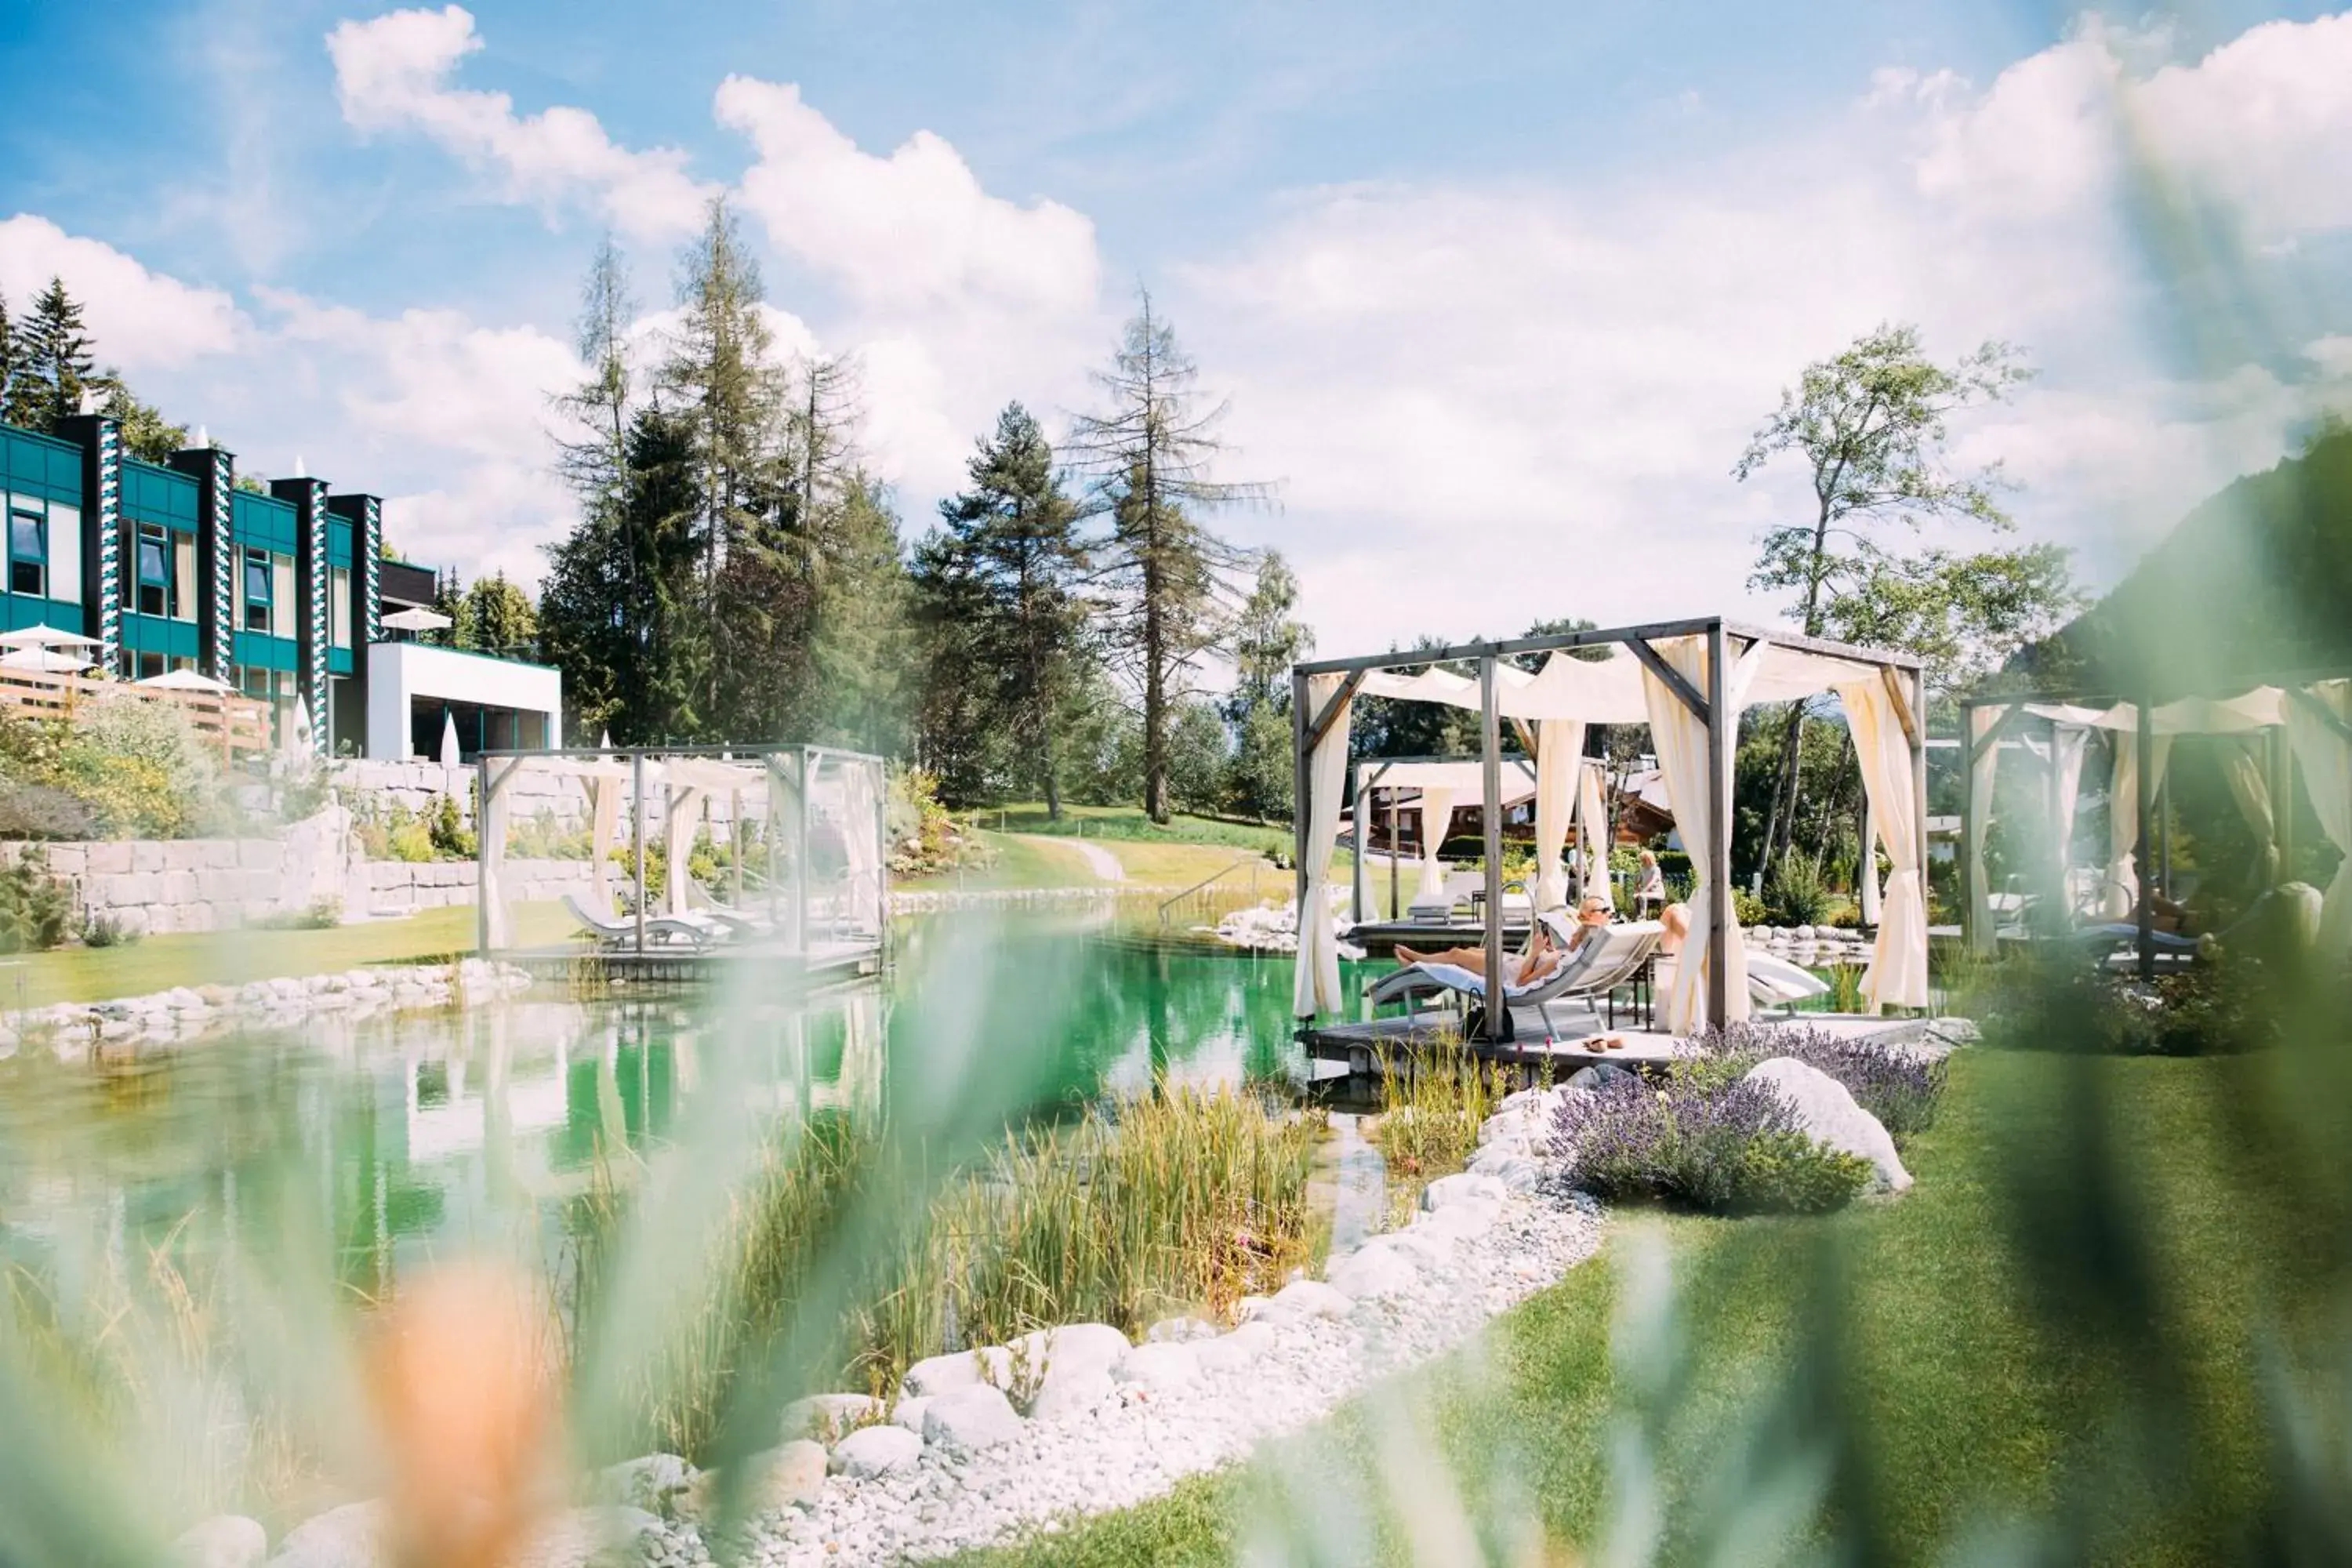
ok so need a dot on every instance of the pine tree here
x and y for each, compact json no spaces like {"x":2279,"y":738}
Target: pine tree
{"x":1266,"y":642}
{"x":54,"y":360}
{"x":497,"y":618}
{"x":1167,"y":574}
{"x":8,"y":364}
{"x":1001,"y":585}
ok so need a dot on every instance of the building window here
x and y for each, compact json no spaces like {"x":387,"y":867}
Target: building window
{"x":339,"y":607}
{"x":183,"y":576}
{"x":256,"y":590}
{"x":27,"y":553}
{"x":283,"y":599}
{"x":154,"y":571}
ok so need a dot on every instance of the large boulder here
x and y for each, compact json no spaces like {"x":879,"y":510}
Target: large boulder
{"x":872,"y":1451}
{"x":1161,"y":1368}
{"x":223,"y":1540}
{"x":350,"y":1536}
{"x":908,"y":1412}
{"x":1224,"y":1353}
{"x":1072,"y":1391}
{"x":1373,"y":1271}
{"x":966,"y":1420}
{"x":944,"y":1374}
{"x":1311,"y":1298}
{"x":827,"y":1416}
{"x":1465,"y":1186}
{"x":788,"y":1476}
{"x":1459,"y":1220}
{"x":1827,"y":1113}
{"x":654,"y":1483}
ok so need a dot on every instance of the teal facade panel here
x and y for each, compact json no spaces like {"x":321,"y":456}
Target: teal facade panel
{"x":40,"y":464}
{"x":159,"y":496}
{"x":265,"y":652}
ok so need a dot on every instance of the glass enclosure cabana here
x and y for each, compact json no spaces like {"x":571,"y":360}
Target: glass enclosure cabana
{"x":2266,"y":729}
{"x":1688,"y":681}
{"x":776,"y":851}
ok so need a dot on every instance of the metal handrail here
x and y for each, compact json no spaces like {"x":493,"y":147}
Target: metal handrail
{"x":1219,"y":875}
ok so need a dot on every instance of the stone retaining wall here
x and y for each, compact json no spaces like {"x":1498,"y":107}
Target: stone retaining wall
{"x":418,"y":785}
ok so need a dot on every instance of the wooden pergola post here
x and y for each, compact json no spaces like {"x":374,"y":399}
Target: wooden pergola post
{"x":1301,"y":794}
{"x":1490,"y":759}
{"x":2145,"y":738}
{"x":1719,"y":820}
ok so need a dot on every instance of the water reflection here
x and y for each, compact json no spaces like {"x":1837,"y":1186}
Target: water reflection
{"x":415,"y":1132}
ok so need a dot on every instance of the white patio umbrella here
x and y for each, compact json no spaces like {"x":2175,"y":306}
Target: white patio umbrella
{"x":416,"y":620}
{"x":186,"y":681}
{"x":45,"y":636}
{"x":449,"y":758}
{"x":294,"y":735}
{"x":45,"y":661}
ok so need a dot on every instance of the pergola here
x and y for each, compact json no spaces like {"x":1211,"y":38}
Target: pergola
{"x":2288,"y":718}
{"x":790,"y":791}
{"x":1688,"y":681}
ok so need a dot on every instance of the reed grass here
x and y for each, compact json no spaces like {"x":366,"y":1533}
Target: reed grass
{"x":843,"y":1263}
{"x":1432,"y":1102}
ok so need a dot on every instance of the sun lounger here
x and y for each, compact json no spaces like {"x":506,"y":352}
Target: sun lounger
{"x":1588,"y":974}
{"x":1776,"y":982}
{"x":661,"y":930}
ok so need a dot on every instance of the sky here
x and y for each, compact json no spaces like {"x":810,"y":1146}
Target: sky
{"x":1493,"y":294}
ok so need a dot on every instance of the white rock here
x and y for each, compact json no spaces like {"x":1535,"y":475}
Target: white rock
{"x":827,"y":1416}
{"x":1075,"y":1392}
{"x":943,"y":1374}
{"x":968,"y":1419}
{"x":1425,"y":1246}
{"x":1828,"y":1114}
{"x":1463,"y":1187}
{"x":346,"y":1537}
{"x":654,"y":1482}
{"x":1224,"y":1353}
{"x":872,"y":1451}
{"x":1312,"y":1298}
{"x":1084,"y":1347}
{"x":1160,"y":1367}
{"x":223,"y":1540}
{"x":1371,"y":1272}
{"x":1179,"y":1330}
{"x":790,"y":1475}
{"x":588,"y":1538}
{"x":1506,"y":1124}
{"x":1462,"y":1219}
{"x":908,"y":1412}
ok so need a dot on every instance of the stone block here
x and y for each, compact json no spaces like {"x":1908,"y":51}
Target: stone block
{"x":260,"y":853}
{"x":146,"y":856}
{"x":107,"y":858}
{"x":179,"y":887}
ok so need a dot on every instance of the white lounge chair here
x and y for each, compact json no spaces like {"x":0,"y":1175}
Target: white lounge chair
{"x":669,"y":931}
{"x":1589,"y":973}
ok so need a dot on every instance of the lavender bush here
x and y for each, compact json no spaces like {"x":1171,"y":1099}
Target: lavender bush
{"x":1896,"y":1086}
{"x":1715,"y":1144}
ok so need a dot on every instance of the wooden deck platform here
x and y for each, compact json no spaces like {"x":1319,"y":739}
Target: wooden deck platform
{"x":822,"y":965}
{"x":1572,"y":1042}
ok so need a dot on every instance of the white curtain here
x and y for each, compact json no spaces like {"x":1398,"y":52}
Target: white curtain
{"x":1559,"y":743}
{"x":685,"y":815}
{"x":862,"y":808}
{"x":2252,"y":793}
{"x":1680,"y":736}
{"x":2066,"y":792}
{"x":604,"y":821}
{"x":1983,"y":772}
{"x":1436,"y":817}
{"x":492,"y":843}
{"x":1594,"y":817}
{"x":1897,"y":975}
{"x":1317,"y":989}
{"x":1865,"y":878}
{"x":2120,"y":895}
{"x":2326,"y":756}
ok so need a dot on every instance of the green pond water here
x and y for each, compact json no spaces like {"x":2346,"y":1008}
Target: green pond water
{"x":414,"y":1134}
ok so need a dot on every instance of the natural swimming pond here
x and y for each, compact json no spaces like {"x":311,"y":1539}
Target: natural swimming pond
{"x":416,"y":1133}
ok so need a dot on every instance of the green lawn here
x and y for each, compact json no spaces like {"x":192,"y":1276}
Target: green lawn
{"x":232,"y":958}
{"x":1967,"y":1405}
{"x":1127,"y":822}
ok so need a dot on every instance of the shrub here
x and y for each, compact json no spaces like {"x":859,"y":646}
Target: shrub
{"x":1846,"y":917}
{"x":107,"y":930}
{"x":1727,"y":1147}
{"x":2219,"y":1006}
{"x":43,"y":811}
{"x":1794,"y":892}
{"x":318,"y":914}
{"x":410,"y":841}
{"x":1745,"y":908}
{"x":34,"y":906}
{"x":128,"y":798}
{"x":445,"y":832}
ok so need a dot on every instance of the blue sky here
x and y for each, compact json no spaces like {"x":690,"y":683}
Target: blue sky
{"x":1502,"y":282}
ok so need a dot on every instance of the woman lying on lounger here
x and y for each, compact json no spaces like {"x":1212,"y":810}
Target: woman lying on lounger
{"x":1541,"y":957}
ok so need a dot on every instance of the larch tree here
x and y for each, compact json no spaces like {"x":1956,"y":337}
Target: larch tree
{"x":1167,"y":576}
{"x":1870,"y":425}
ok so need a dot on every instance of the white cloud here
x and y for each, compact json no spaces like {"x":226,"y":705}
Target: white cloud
{"x":392,"y":73}
{"x":141,"y":320}
{"x":913,"y":228}
{"x":1534,"y":394}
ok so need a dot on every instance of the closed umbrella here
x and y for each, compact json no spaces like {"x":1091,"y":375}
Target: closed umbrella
{"x":449,"y":757}
{"x":294,"y":736}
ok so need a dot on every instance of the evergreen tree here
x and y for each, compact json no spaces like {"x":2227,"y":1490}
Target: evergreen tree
{"x":494,"y":616}
{"x":857,"y":657}
{"x":53,"y":363}
{"x":146,"y":434}
{"x":8,"y":363}
{"x":1167,"y":574}
{"x":1002,"y":603}
{"x":1267,"y":641}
